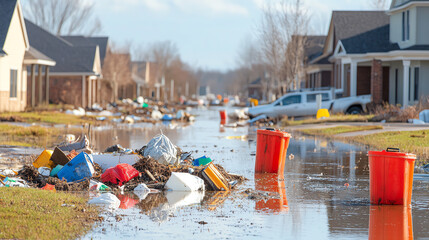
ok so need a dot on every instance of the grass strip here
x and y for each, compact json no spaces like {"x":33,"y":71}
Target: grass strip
{"x":33,"y":136}
{"x":335,"y":118}
{"x":330,"y":132}
{"x":37,"y":214}
{"x":48,"y":117}
{"x":416,"y":142}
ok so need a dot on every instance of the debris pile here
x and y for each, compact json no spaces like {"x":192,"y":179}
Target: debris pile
{"x":159,"y":165}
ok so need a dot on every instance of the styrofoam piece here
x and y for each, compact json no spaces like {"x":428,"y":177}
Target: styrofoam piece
{"x":184,"y":182}
{"x":111,"y":160}
{"x":107,"y":199}
{"x":180,"y":199}
{"x":44,"y":171}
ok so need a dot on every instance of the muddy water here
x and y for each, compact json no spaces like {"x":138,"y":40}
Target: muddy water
{"x":323,"y":194}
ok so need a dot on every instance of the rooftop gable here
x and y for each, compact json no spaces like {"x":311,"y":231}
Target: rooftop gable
{"x":69,"y":59}
{"x":7,"y":8}
{"x":348,"y":24}
{"x":82,"y":41}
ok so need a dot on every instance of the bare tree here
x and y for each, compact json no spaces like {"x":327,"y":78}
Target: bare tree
{"x":116,"y":69}
{"x":170,"y":66}
{"x":63,"y":17}
{"x":283,"y":52}
{"x":379,"y":4}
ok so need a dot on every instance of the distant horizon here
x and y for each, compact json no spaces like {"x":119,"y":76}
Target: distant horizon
{"x":208,"y":34}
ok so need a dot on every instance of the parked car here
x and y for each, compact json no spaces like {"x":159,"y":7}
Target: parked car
{"x":300,"y":104}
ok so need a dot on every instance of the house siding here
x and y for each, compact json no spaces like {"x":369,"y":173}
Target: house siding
{"x":422,"y":26}
{"x":392,"y":85}
{"x":15,"y":47}
{"x":396,"y":28}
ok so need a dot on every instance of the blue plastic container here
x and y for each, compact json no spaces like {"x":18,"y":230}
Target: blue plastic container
{"x":202,"y":161}
{"x":79,"y":168}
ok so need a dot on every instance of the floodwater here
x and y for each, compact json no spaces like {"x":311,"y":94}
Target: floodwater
{"x":323,"y":193}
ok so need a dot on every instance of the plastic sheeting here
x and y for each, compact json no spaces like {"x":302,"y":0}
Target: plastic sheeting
{"x":162,"y":149}
{"x":424,"y":116}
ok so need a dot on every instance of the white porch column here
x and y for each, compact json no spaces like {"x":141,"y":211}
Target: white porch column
{"x":406,"y":64}
{"x":353,"y":78}
{"x":89,"y":92}
{"x":83,"y":91}
{"x":342,"y":76}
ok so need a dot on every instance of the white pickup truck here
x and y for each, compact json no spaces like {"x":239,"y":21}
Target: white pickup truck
{"x":300,"y":104}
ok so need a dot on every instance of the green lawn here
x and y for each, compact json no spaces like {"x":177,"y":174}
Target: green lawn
{"x":33,"y":136}
{"x":334,"y":118}
{"x":416,"y":142}
{"x":49,"y":117}
{"x":37,"y":214}
{"x":330,"y":132}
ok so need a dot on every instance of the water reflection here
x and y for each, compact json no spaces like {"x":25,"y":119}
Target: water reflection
{"x":390,"y":222}
{"x":127,"y":200}
{"x":274,"y":184}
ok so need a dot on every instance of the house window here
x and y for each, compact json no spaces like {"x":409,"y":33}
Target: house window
{"x":416,"y":83}
{"x":13,"y":83}
{"x":406,"y":25}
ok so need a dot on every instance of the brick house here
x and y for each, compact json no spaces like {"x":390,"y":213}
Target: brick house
{"x":75,"y":79}
{"x":318,"y":70}
{"x":385,"y":54}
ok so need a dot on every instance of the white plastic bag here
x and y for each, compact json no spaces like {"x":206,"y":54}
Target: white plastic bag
{"x":107,"y":199}
{"x":156,"y":115}
{"x":162,"y":149}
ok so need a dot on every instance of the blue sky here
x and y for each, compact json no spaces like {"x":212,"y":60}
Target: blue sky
{"x":208,"y":33}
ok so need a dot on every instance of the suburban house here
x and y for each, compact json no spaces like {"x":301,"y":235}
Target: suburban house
{"x":255,"y":89}
{"x":75,"y":78}
{"x":13,"y":47}
{"x":318,"y":73}
{"x":138,"y":75}
{"x":385,"y":54}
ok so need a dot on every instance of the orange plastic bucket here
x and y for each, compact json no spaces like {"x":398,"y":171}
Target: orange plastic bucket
{"x":271,"y":148}
{"x":390,"y":222}
{"x":391,"y":177}
{"x":273,"y":183}
{"x":222,"y":115}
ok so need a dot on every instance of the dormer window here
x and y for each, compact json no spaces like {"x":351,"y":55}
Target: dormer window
{"x":406,"y":25}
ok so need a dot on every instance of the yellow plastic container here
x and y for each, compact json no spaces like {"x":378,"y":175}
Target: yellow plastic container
{"x":44,"y":160}
{"x":215,"y":179}
{"x":322,"y":113}
{"x":254,"y":102}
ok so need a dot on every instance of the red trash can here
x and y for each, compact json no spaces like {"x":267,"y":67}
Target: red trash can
{"x":222,"y":115}
{"x":391,"y":177}
{"x":271,"y":148}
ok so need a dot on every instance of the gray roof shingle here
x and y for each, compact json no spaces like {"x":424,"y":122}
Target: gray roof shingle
{"x":68,"y":58}
{"x":398,"y":3}
{"x":376,"y":40}
{"x":89,"y":41}
{"x":7,"y":8}
{"x":348,"y":24}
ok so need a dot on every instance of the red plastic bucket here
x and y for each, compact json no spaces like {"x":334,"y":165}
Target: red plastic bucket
{"x":391,"y":177}
{"x":272,"y":183}
{"x":390,"y":222}
{"x":271,"y":148}
{"x":222,"y":115}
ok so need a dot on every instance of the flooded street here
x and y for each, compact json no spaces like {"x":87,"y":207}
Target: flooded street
{"x":323,"y":194}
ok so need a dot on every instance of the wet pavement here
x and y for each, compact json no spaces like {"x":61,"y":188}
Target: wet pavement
{"x":323,"y":194}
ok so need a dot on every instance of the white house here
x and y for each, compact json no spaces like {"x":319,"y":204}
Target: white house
{"x":13,"y":45}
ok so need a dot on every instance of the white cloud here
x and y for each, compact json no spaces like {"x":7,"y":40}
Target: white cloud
{"x":156,"y":5}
